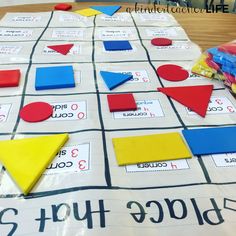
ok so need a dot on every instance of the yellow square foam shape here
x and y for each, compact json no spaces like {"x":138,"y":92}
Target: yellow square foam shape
{"x":26,"y":159}
{"x":149,"y":148}
{"x":88,"y":12}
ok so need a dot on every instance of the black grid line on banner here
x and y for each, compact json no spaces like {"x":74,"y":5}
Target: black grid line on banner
{"x":201,"y":163}
{"x":103,"y":130}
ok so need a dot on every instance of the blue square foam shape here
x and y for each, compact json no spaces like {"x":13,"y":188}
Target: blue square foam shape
{"x":54,"y":77}
{"x":211,"y":140}
{"x":117,"y":45}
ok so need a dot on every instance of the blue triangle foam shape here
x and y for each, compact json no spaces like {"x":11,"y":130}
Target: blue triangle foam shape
{"x":108,"y":10}
{"x":113,"y":80}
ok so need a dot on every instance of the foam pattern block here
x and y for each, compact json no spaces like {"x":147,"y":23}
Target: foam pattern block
{"x":113,"y":80}
{"x":9,"y":78}
{"x":121,"y":102}
{"x":117,"y":45}
{"x":62,"y":48}
{"x":108,"y":10}
{"x":63,"y":7}
{"x":88,"y":12}
{"x":219,"y":63}
{"x":36,"y":112}
{"x":27,"y":159}
{"x":148,"y":148}
{"x":172,"y":72}
{"x":195,"y":98}
{"x":161,"y":42}
{"x":211,"y":140}
{"x":54,"y":77}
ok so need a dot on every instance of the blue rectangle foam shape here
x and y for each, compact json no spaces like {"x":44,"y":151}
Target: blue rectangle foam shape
{"x":211,"y":140}
{"x":226,"y":69}
{"x":117,"y":45}
{"x":229,"y":64}
{"x":218,"y":60}
{"x":222,"y":56}
{"x":54,"y":77}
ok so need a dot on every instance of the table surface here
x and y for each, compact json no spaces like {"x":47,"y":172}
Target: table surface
{"x":205,"y":29}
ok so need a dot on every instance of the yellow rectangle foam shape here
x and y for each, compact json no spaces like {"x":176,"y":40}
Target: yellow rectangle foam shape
{"x":149,"y":148}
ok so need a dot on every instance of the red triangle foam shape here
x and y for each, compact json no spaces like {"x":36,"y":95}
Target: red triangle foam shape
{"x":195,"y":98}
{"x":63,"y":49}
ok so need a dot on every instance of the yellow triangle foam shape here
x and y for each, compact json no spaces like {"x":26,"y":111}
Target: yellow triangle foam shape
{"x":27,"y":159}
{"x":88,"y":12}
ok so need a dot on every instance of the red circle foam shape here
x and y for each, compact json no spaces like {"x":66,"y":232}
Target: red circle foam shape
{"x":161,"y":42}
{"x":36,"y":112}
{"x":172,"y":72}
